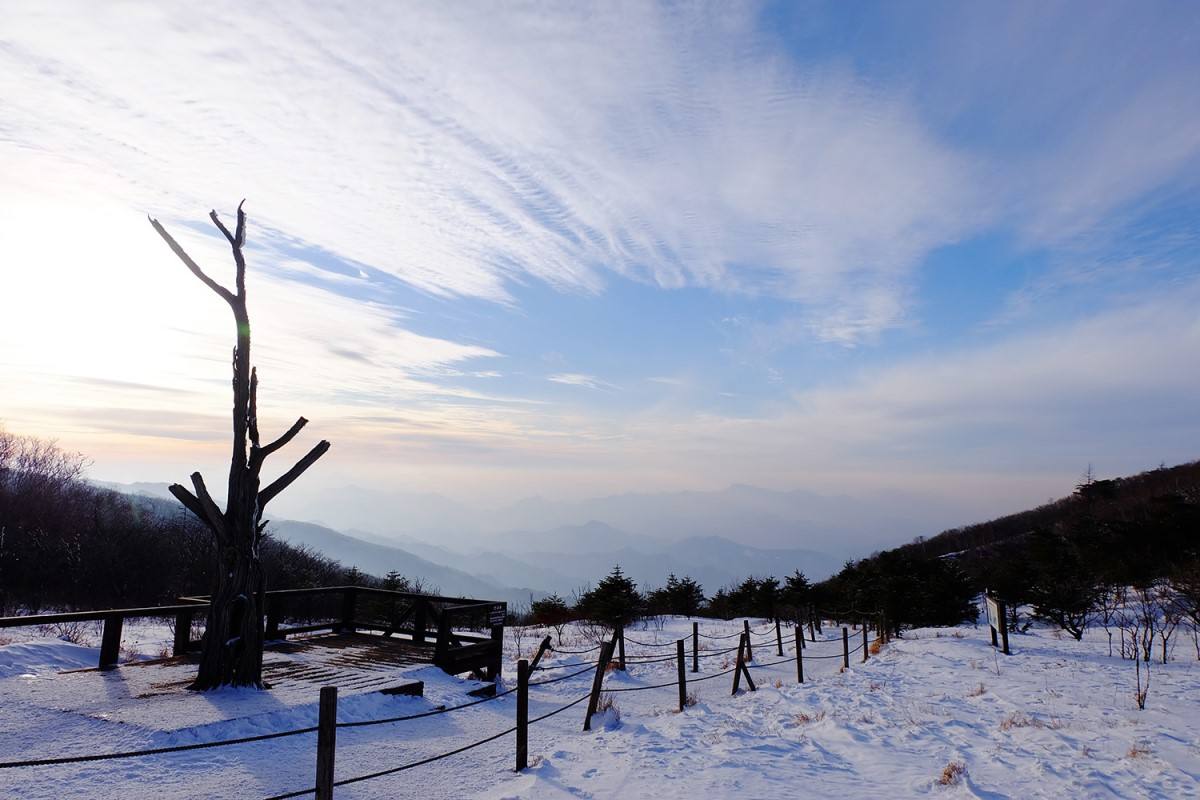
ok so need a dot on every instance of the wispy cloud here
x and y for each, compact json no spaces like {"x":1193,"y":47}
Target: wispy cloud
{"x":578,"y":379}
{"x":671,"y":145}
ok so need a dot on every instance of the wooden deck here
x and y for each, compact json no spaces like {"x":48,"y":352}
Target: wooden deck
{"x":357,"y":663}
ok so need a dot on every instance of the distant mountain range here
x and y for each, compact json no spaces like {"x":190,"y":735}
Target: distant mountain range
{"x":519,"y":563}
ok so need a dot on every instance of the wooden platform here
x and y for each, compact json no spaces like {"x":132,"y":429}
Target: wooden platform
{"x":357,"y":663}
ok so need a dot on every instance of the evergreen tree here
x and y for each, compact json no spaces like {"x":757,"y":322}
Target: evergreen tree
{"x":615,"y":600}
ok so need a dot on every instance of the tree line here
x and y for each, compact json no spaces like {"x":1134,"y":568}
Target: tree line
{"x":67,"y":544}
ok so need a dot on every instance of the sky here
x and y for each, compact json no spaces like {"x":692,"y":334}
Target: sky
{"x":509,"y":249}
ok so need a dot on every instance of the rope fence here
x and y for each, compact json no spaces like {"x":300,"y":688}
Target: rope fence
{"x":328,"y":723}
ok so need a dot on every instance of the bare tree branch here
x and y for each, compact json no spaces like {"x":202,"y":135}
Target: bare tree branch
{"x":189,"y":501}
{"x":213,"y":514}
{"x":284,"y":480}
{"x":284,"y":439}
{"x":225,"y":294}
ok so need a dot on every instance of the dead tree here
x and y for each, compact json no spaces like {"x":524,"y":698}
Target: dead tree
{"x":231,"y":654}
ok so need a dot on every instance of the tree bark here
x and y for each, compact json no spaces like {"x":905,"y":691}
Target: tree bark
{"x":231,"y":653}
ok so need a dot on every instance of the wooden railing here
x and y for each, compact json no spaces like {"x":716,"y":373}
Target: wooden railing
{"x":464,"y":634}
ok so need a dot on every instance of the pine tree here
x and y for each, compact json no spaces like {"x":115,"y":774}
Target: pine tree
{"x":615,"y":600}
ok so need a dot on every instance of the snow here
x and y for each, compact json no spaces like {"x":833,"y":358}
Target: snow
{"x":1055,"y":719}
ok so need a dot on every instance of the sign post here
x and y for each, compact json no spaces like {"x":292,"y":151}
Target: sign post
{"x":997,"y":621}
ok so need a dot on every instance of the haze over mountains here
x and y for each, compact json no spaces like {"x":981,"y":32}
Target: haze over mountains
{"x":537,"y":546}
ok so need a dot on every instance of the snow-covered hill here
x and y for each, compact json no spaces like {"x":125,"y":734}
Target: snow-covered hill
{"x":1056,"y":719}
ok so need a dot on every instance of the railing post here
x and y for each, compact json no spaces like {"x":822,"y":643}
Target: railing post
{"x":326,"y":741}
{"x":746,"y":631}
{"x":183,"y":633}
{"x":845,"y":647}
{"x":274,"y":617}
{"x":349,"y":601}
{"x":695,"y":647}
{"x":420,"y":620}
{"x":778,"y":637}
{"x":497,"y":662}
{"x":606,"y":651}
{"x":864,"y":642}
{"x":110,"y":641}
{"x":682,"y":670}
{"x":621,"y":645}
{"x":800,"y":659}
{"x":522,"y":714}
{"x":799,"y":634}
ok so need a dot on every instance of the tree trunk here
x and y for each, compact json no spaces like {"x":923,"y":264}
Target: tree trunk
{"x":231,"y":654}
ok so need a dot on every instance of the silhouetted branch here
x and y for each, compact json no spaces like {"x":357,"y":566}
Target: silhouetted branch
{"x":281,"y":483}
{"x":225,"y":294}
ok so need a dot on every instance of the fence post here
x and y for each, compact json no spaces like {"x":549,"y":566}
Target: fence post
{"x":621,"y":645}
{"x":799,"y":634}
{"x":845,"y":647}
{"x":682,"y":674}
{"x":110,"y":641}
{"x":606,"y":651}
{"x":800,"y":660}
{"x":741,"y":668}
{"x":349,"y":602}
{"x":420,"y":621}
{"x":183,"y":633}
{"x":274,"y":617}
{"x":522,"y":714}
{"x":695,"y":647}
{"x":541,"y":651}
{"x":864,"y":642}
{"x":746,"y":632}
{"x":326,"y":741}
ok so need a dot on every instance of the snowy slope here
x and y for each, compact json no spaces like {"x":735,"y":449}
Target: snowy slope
{"x":1057,"y":719}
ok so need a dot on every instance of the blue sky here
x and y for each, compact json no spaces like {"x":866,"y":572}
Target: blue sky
{"x":503,"y":249}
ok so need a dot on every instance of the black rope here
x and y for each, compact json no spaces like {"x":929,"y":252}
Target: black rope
{"x":423,"y":714}
{"x":454,"y":752}
{"x":39,"y":762}
{"x":574,"y":652}
{"x":642,"y":688}
{"x":548,"y":681}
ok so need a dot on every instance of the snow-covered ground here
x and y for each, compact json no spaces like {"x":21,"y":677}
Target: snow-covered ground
{"x":1056,"y":719}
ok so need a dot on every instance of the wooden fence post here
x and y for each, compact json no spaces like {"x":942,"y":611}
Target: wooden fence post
{"x":326,"y":741}
{"x":682,"y":670}
{"x":183,"y":633}
{"x":349,"y":604}
{"x":741,"y":668}
{"x":800,"y":659}
{"x":420,"y":620}
{"x":522,"y":714}
{"x":606,"y":651}
{"x":845,"y":647}
{"x":541,"y":651}
{"x":274,"y":617}
{"x":778,"y":637}
{"x":746,"y":633}
{"x":864,"y":642}
{"x":110,"y":641}
{"x":695,"y":647}
{"x":621,"y":644}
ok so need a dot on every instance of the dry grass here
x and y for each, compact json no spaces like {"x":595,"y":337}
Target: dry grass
{"x":691,"y":699}
{"x":876,"y":647}
{"x":778,"y":683}
{"x":874,"y":686}
{"x":4,"y":640}
{"x":804,"y":718}
{"x":977,"y":691}
{"x":1020,"y":720}
{"x":608,"y":705}
{"x":1138,"y":750}
{"x":952,"y":773}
